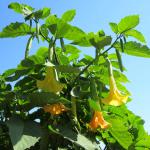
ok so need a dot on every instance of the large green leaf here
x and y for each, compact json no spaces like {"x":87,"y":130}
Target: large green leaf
{"x":72,"y":136}
{"x":16,"y":126}
{"x":135,"y":49}
{"x":62,"y":28}
{"x":74,"y":33}
{"x":21,"y":8}
{"x":128,"y":23}
{"x":15,"y":30}
{"x":70,"y":49}
{"x":23,"y":134}
{"x":42,"y":51}
{"x":136,"y":34}
{"x":144,"y":142}
{"x":120,"y":132}
{"x":69,"y":15}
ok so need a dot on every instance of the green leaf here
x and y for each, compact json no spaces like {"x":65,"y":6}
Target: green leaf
{"x":51,"y":23}
{"x":42,"y":51}
{"x":16,"y":126}
{"x":42,"y":98}
{"x":144,"y":142}
{"x":21,"y":8}
{"x":74,"y":33}
{"x":100,"y":42}
{"x":83,"y":41}
{"x":128,"y":23}
{"x":136,"y":34}
{"x":67,"y":69}
{"x":69,"y":15}
{"x":135,"y":49}
{"x":77,"y":139}
{"x":70,"y":49}
{"x":120,"y":132}
{"x":15,"y":30}
{"x":114,"y":27}
{"x":44,"y":31}
{"x":52,"y":19}
{"x":18,"y":73}
{"x":42,"y":14}
{"x":30,"y":62}
{"x":8,"y":72}
{"x":23,"y":134}
{"x":62,"y":28}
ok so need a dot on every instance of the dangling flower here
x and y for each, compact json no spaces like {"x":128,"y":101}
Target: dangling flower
{"x":50,"y":83}
{"x":114,"y":98}
{"x":55,"y":109}
{"x":98,"y":120}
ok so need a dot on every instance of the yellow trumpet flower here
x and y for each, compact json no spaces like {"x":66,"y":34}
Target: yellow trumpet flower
{"x":55,"y":109}
{"x":97,"y":121}
{"x":114,"y":98}
{"x":50,"y":83}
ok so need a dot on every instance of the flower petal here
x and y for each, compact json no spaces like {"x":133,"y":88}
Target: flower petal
{"x":55,"y":109}
{"x":98,"y":120}
{"x":114,"y":98}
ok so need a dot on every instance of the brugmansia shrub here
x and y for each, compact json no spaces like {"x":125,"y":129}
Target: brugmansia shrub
{"x":60,"y":99}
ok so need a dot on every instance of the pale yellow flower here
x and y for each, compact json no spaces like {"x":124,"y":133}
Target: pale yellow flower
{"x":114,"y":98}
{"x":50,"y":83}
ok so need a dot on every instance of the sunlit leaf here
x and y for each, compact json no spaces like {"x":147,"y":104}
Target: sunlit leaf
{"x":69,"y":15}
{"x":120,"y":132}
{"x":127,"y":23}
{"x":24,"y":134}
{"x":136,"y":34}
{"x":15,"y":30}
{"x":135,"y":49}
{"x":114,"y":27}
{"x":21,"y":8}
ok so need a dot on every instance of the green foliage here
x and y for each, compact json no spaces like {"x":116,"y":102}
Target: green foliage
{"x":136,"y":34}
{"x":69,"y":15}
{"x":120,"y":132}
{"x":15,"y":30}
{"x":21,"y":8}
{"x":135,"y":49}
{"x":21,"y":135}
{"x":114,"y":27}
{"x":66,"y":123}
{"x":128,"y":23}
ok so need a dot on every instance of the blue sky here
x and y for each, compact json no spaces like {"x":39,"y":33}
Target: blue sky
{"x":92,"y":15}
